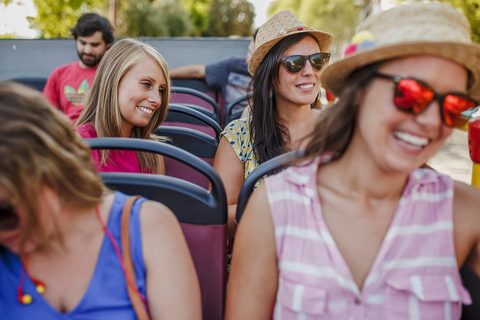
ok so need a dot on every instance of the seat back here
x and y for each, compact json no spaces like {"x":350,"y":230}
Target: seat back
{"x":258,"y":173}
{"x":182,"y":116}
{"x":201,"y":213}
{"x":235,"y":108}
{"x":35,"y":83}
{"x":198,"y":101}
{"x":193,"y":141}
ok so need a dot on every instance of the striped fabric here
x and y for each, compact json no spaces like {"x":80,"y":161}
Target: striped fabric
{"x":414,"y":275}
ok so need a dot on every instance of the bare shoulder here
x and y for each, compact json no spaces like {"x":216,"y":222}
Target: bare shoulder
{"x":155,"y":215}
{"x":466,"y":199}
{"x":466,"y":219}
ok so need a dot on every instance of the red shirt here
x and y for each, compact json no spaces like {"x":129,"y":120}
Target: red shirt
{"x":66,"y":88}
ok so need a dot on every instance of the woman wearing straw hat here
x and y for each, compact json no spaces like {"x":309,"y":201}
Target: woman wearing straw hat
{"x":356,"y":230}
{"x":286,"y":68}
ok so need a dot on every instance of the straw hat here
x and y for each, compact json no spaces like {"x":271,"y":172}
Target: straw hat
{"x":282,"y":25}
{"x":409,"y":29}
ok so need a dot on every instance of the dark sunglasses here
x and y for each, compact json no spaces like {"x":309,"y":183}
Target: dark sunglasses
{"x":8,"y":217}
{"x":414,"y":96}
{"x":296,"y":63}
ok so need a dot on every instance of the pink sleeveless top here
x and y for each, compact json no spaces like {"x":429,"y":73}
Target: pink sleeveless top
{"x":414,"y":275}
{"x":121,"y":160}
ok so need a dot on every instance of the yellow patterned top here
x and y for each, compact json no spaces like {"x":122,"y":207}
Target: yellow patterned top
{"x":237,"y":133}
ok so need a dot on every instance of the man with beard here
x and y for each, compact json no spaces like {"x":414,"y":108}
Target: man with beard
{"x":67,"y":85}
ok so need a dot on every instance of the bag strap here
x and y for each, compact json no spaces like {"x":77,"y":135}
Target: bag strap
{"x":136,"y":298}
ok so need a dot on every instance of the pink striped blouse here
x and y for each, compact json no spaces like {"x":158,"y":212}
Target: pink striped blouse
{"x":414,"y":275}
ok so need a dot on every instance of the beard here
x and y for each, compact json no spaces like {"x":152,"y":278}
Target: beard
{"x":89,"y":60}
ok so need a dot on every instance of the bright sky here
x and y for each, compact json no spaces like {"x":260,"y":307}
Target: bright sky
{"x":13,"y":17}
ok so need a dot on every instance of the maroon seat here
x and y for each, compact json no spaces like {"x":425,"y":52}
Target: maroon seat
{"x":197,"y":100}
{"x":202,"y":213}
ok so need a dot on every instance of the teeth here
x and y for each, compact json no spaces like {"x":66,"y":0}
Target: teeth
{"x":411,"y":139}
{"x":146,"y":110}
{"x":305,"y":86}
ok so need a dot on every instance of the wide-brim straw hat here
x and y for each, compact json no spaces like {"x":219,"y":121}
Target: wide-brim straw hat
{"x":281,"y":25}
{"x":406,"y":30}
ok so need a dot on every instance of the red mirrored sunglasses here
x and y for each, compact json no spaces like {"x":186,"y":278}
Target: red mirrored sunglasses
{"x":8,"y":217}
{"x":414,"y":96}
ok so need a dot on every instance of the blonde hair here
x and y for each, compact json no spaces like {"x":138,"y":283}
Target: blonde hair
{"x":101,"y":107}
{"x":38,"y":148}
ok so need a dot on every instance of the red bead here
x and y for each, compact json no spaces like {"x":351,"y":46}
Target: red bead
{"x":300,"y":28}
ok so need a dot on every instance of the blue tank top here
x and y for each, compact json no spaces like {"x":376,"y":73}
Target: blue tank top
{"x":106,"y":296}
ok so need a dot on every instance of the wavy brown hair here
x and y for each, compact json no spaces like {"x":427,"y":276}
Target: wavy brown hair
{"x":38,"y":148}
{"x":101,"y":107}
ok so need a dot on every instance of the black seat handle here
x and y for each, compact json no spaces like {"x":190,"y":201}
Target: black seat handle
{"x":136,"y":144}
{"x":260,"y":171}
{"x":178,"y":108}
{"x":200,"y":95}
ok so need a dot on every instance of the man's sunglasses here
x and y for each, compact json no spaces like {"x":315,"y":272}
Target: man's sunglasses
{"x":8,"y":217}
{"x":296,"y":63}
{"x":414,"y":96}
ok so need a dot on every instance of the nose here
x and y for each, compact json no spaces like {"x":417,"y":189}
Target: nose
{"x":154,"y":98}
{"x":308,"y":69}
{"x":431,"y":116}
{"x":87,"y":49}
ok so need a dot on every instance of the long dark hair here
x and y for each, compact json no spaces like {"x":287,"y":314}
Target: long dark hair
{"x":267,"y":134}
{"x":334,"y":130}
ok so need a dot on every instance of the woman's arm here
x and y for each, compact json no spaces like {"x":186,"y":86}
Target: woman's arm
{"x":466,"y":221}
{"x":231,"y":171}
{"x":172,"y":285}
{"x":253,"y":280}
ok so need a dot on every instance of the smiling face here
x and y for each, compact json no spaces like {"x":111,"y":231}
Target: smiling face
{"x":140,"y":94}
{"x":395,"y":140}
{"x":301,"y":88}
{"x":90,"y":49}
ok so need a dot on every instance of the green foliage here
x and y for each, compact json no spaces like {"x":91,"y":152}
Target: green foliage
{"x":230,"y":17}
{"x":471,"y":9}
{"x":8,"y":36}
{"x":338,"y":17}
{"x":6,"y":2}
{"x":157,"y":18}
{"x":55,"y":18}
{"x":198,"y":10}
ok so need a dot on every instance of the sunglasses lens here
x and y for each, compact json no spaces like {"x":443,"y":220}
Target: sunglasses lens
{"x":319,"y":60}
{"x":8,"y":218}
{"x":294,"y":64}
{"x":457,"y":109}
{"x":412,"y":97}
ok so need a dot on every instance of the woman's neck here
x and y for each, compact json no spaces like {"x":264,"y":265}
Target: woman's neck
{"x":356,"y":174}
{"x":300,"y":122}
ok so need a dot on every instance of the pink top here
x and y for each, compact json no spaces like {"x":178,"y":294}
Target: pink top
{"x":121,"y":160}
{"x":414,"y":275}
{"x":67,"y":86}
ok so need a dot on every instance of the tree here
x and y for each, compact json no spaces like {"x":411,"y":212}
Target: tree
{"x":198,"y":10}
{"x":154,"y":18}
{"x":338,"y":17}
{"x":230,"y":17}
{"x":55,"y":18}
{"x":471,"y":9}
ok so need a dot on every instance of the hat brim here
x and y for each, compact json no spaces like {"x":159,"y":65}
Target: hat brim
{"x":335,"y":75}
{"x":324,"y":39}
